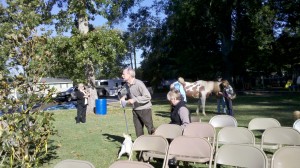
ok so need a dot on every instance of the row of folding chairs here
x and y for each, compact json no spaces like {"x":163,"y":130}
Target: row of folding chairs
{"x":182,"y":148}
{"x":274,"y":136}
{"x":261,"y":124}
{"x":230,"y":154}
{"x":242,"y":155}
{"x":195,"y":143}
{"x":200,"y":150}
{"x":229,"y":135}
{"x":256,"y":124}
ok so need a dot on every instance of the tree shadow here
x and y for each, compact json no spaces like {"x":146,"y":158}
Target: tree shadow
{"x":162,"y":114}
{"x":51,"y":153}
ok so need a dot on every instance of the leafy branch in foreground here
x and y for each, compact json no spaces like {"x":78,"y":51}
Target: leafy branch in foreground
{"x":24,"y":128}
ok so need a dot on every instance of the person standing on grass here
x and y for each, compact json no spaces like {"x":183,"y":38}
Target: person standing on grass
{"x":82,"y":97}
{"x":228,"y":94}
{"x":140,"y":99}
{"x":221,"y":99}
{"x":180,"y":114}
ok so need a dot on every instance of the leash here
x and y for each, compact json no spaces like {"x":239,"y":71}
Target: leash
{"x":123,"y":104}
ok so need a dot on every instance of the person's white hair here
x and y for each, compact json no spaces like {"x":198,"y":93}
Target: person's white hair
{"x":173,"y":94}
{"x":80,"y":85}
{"x":130,"y":71}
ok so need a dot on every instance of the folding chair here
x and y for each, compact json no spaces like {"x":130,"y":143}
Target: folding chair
{"x":191,"y":149}
{"x":296,"y":125}
{"x":70,"y":163}
{"x":259,"y":125}
{"x":274,"y":138}
{"x":234,"y":135}
{"x":169,"y":131}
{"x":202,"y":130}
{"x":287,"y":156}
{"x":154,"y":146}
{"x":241,"y":155}
{"x":220,"y":121}
{"x":130,"y":164}
{"x":262,"y":124}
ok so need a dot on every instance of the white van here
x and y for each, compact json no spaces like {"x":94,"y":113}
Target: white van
{"x":108,"y":87}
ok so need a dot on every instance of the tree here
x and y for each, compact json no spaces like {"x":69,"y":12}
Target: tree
{"x":200,"y":39}
{"x":101,"y":47}
{"x":81,"y":12}
{"x":140,"y":29}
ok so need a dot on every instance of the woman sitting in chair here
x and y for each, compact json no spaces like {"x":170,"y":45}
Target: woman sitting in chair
{"x":180,"y":114}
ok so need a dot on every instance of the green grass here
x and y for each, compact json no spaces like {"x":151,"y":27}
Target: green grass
{"x":99,"y":140}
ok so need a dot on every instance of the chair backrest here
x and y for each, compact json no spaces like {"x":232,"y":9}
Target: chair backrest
{"x":195,"y":119}
{"x":263,"y":123}
{"x":202,"y":130}
{"x":220,"y":121}
{"x":280,"y":136}
{"x":151,"y":143}
{"x":241,"y":155}
{"x":191,"y":149}
{"x":297,"y":125}
{"x":130,"y":164}
{"x":287,"y":156}
{"x":235,"y":135}
{"x":169,"y":131}
{"x":70,"y":163}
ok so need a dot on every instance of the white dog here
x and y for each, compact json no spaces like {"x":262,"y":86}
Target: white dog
{"x":126,"y":145}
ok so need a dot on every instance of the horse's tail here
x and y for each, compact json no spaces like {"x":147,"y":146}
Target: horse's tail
{"x":181,"y":80}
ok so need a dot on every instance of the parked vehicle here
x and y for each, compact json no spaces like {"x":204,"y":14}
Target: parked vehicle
{"x":108,"y":87}
{"x":68,"y":95}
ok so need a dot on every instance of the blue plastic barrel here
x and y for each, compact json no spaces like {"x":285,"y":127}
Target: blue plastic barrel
{"x":101,"y":107}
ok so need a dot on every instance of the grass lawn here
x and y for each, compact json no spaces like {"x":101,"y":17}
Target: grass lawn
{"x":99,"y":140}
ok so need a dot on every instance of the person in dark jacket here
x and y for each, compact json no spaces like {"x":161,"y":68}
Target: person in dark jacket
{"x":180,"y":114}
{"x":82,"y":97}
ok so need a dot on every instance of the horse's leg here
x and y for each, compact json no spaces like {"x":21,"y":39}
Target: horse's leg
{"x":198,"y":106}
{"x":203,"y":98}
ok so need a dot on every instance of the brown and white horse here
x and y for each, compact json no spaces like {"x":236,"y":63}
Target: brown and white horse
{"x":200,"y":90}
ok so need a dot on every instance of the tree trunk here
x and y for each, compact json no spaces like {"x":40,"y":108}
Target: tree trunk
{"x":226,"y":48}
{"x":83,"y":24}
{"x":131,"y":63}
{"x":226,"y":32}
{"x":90,"y":72}
{"x":134,"y":57}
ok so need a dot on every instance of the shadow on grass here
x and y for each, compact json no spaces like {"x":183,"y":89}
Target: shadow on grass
{"x":114,"y":138}
{"x":162,"y":114}
{"x":51,"y":154}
